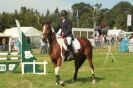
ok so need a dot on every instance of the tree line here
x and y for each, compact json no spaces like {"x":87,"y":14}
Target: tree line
{"x":82,"y":15}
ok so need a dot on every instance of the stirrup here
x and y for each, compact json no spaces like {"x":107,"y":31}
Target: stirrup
{"x":70,"y":57}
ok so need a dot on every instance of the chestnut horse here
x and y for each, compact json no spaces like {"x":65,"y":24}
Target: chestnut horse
{"x":56,"y":52}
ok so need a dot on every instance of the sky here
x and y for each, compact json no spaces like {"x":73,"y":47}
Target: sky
{"x":43,"y":5}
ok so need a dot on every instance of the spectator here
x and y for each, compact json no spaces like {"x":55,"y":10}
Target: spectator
{"x":131,"y":40}
{"x":44,"y":47}
{"x":131,"y":44}
{"x":112,"y":40}
{"x":108,"y":38}
{"x":102,"y":41}
{"x":124,"y":43}
{"x":3,"y":46}
{"x":96,"y":41}
{"x":18,"y":45}
{"x":11,"y":44}
{"x":28,"y":39}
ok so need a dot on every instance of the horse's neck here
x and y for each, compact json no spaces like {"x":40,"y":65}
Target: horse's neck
{"x":52,"y":40}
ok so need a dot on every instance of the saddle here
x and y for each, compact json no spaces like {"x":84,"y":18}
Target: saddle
{"x":75,"y":44}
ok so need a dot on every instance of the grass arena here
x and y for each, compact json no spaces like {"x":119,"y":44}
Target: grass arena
{"x":108,"y":75}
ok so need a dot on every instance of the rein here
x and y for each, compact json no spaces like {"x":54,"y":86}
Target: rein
{"x":50,"y":35}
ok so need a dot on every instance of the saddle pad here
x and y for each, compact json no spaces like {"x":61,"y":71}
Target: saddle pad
{"x":75,"y":44}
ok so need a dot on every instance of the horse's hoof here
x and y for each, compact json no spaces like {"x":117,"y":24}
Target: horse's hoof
{"x":72,"y":81}
{"x":57,"y":83}
{"x":94,"y":81}
{"x":61,"y":83}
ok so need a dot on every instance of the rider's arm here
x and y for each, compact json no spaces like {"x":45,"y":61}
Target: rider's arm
{"x":68,"y":30}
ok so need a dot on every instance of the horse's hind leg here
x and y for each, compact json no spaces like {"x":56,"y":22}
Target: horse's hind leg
{"x":78,"y":63}
{"x":91,"y":66}
{"x":92,"y":71}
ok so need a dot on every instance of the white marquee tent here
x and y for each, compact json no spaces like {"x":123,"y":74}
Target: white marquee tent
{"x":33,"y":33}
{"x":4,"y":35}
{"x":28,"y":31}
{"x":115,"y":32}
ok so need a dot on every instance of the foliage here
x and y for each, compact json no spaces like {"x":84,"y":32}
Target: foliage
{"x":119,"y":13}
{"x":84,"y":12}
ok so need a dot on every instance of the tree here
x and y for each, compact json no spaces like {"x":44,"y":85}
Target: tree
{"x":114,"y":17}
{"x":104,"y":18}
{"x":55,"y":17}
{"x":119,"y":14}
{"x":84,"y":14}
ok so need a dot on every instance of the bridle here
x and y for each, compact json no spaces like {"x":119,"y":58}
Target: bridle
{"x":49,"y":34}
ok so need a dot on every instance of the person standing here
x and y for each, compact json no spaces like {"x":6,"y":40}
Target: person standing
{"x":44,"y":47}
{"x":11,"y":44}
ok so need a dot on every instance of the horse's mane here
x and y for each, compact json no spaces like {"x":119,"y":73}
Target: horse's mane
{"x":46,"y":22}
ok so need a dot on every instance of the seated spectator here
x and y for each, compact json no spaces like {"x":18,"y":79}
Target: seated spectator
{"x":3,"y":46}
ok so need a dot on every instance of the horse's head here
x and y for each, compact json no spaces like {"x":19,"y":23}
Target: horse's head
{"x":47,"y":31}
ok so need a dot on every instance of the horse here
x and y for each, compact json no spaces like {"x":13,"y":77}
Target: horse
{"x":56,"y":52}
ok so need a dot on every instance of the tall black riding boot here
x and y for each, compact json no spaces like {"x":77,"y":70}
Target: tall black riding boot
{"x":71,"y":52}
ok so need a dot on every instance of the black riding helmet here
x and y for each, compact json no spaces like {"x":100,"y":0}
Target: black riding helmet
{"x":63,"y":13}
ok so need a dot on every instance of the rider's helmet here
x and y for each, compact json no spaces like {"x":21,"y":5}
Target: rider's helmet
{"x":64,"y":13}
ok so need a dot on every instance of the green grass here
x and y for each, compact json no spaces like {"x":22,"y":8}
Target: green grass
{"x":108,"y":75}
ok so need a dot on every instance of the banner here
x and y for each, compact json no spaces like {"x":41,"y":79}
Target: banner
{"x":129,"y":19}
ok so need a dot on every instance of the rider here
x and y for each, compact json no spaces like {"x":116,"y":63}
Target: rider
{"x":65,"y":29}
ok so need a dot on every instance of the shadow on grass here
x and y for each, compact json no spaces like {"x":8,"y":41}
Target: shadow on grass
{"x":85,"y":79}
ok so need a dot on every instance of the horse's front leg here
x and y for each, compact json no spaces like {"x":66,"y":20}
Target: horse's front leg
{"x":57,"y":70}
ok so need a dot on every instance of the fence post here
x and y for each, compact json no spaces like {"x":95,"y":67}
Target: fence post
{"x":22,"y":65}
{"x":34,"y":67}
{"x":44,"y":67}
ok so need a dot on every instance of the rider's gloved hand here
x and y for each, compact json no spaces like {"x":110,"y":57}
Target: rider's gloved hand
{"x":62,"y":35}
{"x":59,"y":32}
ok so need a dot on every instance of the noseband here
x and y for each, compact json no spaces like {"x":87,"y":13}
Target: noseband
{"x":49,"y":35}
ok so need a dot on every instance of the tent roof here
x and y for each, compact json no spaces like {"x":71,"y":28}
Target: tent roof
{"x":115,"y":32}
{"x":28,"y":31}
{"x":4,"y":35}
{"x":83,"y":29}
